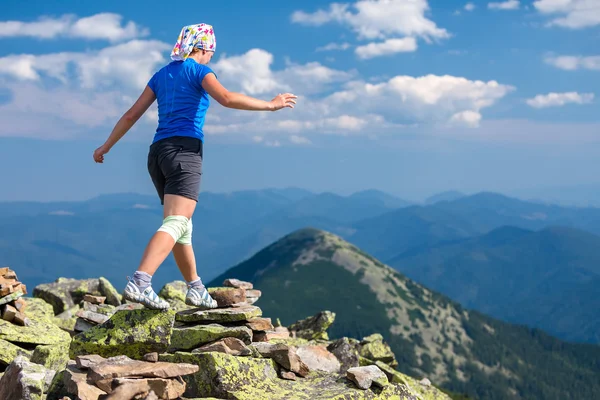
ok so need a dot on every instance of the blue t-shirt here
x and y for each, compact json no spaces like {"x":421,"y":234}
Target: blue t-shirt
{"x":182,"y":102}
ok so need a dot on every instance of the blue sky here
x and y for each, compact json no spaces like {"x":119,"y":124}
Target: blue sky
{"x":411,"y":96}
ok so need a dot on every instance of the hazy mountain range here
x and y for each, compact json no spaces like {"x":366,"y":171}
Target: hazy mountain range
{"x":526,"y":262}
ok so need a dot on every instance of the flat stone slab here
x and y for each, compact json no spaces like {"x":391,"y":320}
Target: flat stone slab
{"x":191,"y":337}
{"x":37,"y":332}
{"x":219,"y":314}
{"x":123,"y":367}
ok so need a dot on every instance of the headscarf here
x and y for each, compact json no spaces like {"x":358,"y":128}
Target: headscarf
{"x":199,"y":36}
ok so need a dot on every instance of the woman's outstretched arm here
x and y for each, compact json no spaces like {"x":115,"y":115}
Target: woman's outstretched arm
{"x":240,"y":101}
{"x":125,"y":123}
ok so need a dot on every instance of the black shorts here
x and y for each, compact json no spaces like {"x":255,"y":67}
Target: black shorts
{"x":175,"y":166}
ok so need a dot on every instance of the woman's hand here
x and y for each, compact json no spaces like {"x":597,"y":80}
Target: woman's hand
{"x":99,"y":154}
{"x":283,"y":100}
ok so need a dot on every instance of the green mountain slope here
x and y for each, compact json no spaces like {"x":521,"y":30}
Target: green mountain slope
{"x":543,"y":278}
{"x":464,"y":351}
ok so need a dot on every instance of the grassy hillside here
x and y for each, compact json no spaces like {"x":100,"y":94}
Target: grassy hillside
{"x":547,"y":279}
{"x":465,"y":351}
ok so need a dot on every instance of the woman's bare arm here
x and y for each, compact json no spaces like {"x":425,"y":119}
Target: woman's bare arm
{"x":240,"y":101}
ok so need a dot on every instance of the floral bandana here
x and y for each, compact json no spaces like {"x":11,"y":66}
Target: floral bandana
{"x":200,"y":36}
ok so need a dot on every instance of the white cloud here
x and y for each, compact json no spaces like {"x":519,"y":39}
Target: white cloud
{"x":574,"y":14}
{"x":299,"y":140}
{"x":106,"y":26}
{"x":560,"y":99}
{"x":424,"y":99}
{"x":273,"y":143}
{"x":469,"y":6}
{"x":257,"y":139}
{"x":572,"y":63}
{"x":466,"y":118}
{"x":390,"y":46}
{"x":334,"y":46}
{"x":378,"y":19}
{"x":251,"y":72}
{"x":128,"y":64}
{"x":504,"y":5}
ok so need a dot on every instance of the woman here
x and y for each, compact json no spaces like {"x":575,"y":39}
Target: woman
{"x":175,"y":156}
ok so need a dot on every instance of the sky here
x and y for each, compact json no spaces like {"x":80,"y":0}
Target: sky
{"x":412,"y":97}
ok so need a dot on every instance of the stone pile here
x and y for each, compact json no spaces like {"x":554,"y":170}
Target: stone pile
{"x":107,"y":349}
{"x":12,"y":307}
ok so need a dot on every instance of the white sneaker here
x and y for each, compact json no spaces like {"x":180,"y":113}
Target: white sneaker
{"x":199,"y":298}
{"x":146,"y":297}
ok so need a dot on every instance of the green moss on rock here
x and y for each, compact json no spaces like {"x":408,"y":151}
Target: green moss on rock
{"x":225,"y":376}
{"x":38,"y":309}
{"x":374,"y":348}
{"x":128,"y":332}
{"x":65,"y":293}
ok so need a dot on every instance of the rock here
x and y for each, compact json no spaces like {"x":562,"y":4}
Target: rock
{"x":236,"y":283}
{"x":289,"y":375}
{"x":252,"y":296}
{"x":94,"y":299}
{"x":346,"y":351}
{"x":52,"y":356}
{"x":228,"y":345}
{"x":67,"y":319}
{"x":162,"y":388}
{"x":131,"y":333}
{"x":318,"y":358}
{"x":374,"y":348}
{"x":11,"y":297}
{"x":227,"y":296}
{"x":260,"y":324}
{"x":86,"y":361}
{"x":425,"y":382}
{"x":37,"y":332}
{"x":65,"y":293}
{"x":91,"y":316}
{"x":219,"y":314}
{"x":174,"y":294}
{"x":222,"y":376}
{"x":75,"y":382}
{"x":151,"y":357}
{"x":38,"y":309}
{"x":123,"y":367}
{"x":190,"y":337}
{"x":24,"y":380}
{"x":392,"y":375}
{"x":107,"y":290}
{"x":283,"y":355}
{"x":82,"y":325}
{"x":266,"y":336}
{"x":130,"y":390}
{"x":314,"y":327}
{"x":9,"y":351}
{"x":8,"y":313}
{"x":363,"y":377}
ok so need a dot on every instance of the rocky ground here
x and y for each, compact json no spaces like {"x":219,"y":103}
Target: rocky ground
{"x":81,"y":341}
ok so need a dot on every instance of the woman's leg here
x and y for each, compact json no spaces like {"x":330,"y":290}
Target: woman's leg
{"x":186,"y":261}
{"x":162,"y":242}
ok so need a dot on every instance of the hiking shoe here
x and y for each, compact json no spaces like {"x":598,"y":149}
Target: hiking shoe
{"x":146,"y":297}
{"x":199,"y":298}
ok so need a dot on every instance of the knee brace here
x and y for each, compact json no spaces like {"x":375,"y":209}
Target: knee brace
{"x":174,"y":225}
{"x":186,"y":238}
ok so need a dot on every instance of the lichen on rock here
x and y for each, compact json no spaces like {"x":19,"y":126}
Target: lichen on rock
{"x":128,"y":332}
{"x":52,"y":356}
{"x":191,"y":337}
{"x":37,"y":332}
{"x":244,"y":378}
{"x":314,"y":327}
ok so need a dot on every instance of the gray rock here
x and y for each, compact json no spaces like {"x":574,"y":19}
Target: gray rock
{"x":364,"y":377}
{"x":25,"y":380}
{"x":314,"y":327}
{"x":346,"y":351}
{"x":318,"y":358}
{"x":191,"y":337}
